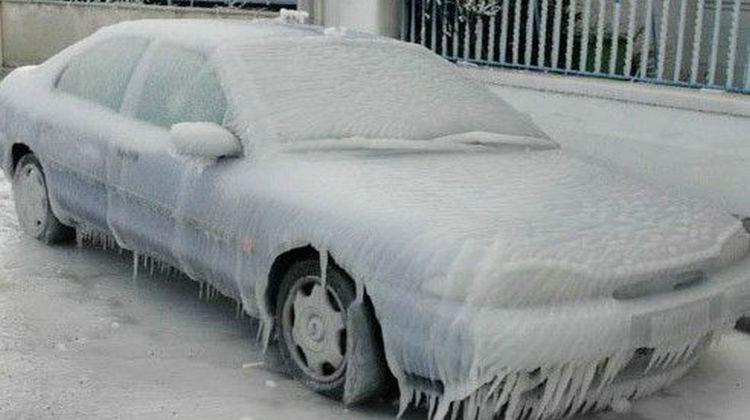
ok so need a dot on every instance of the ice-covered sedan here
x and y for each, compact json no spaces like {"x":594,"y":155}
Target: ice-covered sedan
{"x":384,"y":216}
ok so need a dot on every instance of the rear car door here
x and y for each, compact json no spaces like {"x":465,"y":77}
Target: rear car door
{"x":73,"y":144}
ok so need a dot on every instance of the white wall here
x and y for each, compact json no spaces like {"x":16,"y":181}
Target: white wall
{"x":33,"y":30}
{"x":376,"y":16}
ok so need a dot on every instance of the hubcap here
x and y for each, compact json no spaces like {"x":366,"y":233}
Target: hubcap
{"x":30,"y":194}
{"x":315,"y":329}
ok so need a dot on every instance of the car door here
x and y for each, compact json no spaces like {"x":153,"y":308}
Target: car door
{"x":151,"y":187}
{"x":73,"y":144}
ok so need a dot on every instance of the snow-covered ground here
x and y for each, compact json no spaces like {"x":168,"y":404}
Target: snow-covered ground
{"x":699,"y":153}
{"x":81,"y":338}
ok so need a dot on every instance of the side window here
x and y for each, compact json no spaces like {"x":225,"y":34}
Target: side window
{"x":180,"y":87}
{"x":102,"y":73}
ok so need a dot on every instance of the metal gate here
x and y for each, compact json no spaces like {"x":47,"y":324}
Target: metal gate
{"x":693,"y":43}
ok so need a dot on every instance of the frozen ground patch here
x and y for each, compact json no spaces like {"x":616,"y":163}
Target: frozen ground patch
{"x":700,"y":153}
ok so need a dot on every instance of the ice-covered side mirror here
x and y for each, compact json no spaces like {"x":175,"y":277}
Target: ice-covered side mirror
{"x":204,"y":139}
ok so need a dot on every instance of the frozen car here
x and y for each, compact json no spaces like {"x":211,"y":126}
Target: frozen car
{"x":384,"y":216}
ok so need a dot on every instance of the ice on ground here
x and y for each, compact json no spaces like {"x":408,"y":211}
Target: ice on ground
{"x":695,"y":153}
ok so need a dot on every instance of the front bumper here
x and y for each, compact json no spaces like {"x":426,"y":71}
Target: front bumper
{"x":448,"y":348}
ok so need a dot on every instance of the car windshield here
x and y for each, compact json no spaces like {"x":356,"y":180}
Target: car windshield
{"x":333,"y":88}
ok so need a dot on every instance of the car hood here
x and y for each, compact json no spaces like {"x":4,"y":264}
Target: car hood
{"x":510,"y":227}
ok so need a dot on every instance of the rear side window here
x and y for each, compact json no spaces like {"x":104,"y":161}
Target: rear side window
{"x":180,"y":87}
{"x":102,"y":73}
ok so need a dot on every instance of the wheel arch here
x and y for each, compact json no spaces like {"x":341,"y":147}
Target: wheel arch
{"x":385,"y":382}
{"x":284,"y":261}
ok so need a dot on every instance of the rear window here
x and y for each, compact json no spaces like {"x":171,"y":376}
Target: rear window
{"x":101,"y":74}
{"x":180,"y":87}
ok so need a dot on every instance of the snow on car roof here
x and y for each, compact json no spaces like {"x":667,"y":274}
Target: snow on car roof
{"x":293,"y":82}
{"x":216,"y":32}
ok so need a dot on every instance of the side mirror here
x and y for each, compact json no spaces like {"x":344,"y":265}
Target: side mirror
{"x":204,"y":139}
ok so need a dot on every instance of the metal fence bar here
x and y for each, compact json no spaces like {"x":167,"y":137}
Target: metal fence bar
{"x":630,"y":42}
{"x":615,"y":38}
{"x":663,"y":31}
{"x":516,"y":31}
{"x":715,"y":42}
{"x":665,"y":44}
{"x":529,"y":31}
{"x":503,"y":32}
{"x":680,"y":41}
{"x":479,"y":31}
{"x":491,"y":39}
{"x":600,"y":36}
{"x":433,"y":26}
{"x":444,"y":28}
{"x":696,"y":43}
{"x":733,"y":36}
{"x":422,"y":26}
{"x":585,"y":35}
{"x":556,"y":33}
{"x":456,"y":23}
{"x":412,"y":15}
{"x":467,"y":36}
{"x":646,"y":48}
{"x":571,"y":33}
{"x":542,"y":36}
{"x":404,"y":24}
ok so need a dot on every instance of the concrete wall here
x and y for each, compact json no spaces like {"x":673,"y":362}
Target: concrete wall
{"x":33,"y":30}
{"x":377,"y":16}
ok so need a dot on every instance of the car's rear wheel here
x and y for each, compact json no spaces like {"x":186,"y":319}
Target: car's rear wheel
{"x":312,"y":321}
{"x":32,"y":203}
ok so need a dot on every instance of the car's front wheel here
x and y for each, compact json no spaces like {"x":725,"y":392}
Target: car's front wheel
{"x":312,"y":322}
{"x":32,"y":203}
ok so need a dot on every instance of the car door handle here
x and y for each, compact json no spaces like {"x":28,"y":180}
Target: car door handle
{"x":126,"y":154}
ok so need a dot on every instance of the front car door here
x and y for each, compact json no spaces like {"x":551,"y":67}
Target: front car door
{"x":151,"y":187}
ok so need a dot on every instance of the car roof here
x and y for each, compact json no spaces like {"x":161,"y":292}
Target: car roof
{"x":222,"y":32}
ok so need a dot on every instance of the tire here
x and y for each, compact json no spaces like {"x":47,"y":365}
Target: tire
{"x":312,"y":326}
{"x":32,"y":203}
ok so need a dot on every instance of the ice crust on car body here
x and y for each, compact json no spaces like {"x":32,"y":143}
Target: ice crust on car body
{"x":491,"y":264}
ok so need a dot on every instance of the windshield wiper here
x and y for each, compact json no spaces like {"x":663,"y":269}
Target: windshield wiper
{"x":469,"y":141}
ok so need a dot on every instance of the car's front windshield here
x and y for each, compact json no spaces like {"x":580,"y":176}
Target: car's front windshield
{"x":331,"y":88}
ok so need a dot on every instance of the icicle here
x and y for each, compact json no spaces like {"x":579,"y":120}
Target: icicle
{"x":515,"y":396}
{"x":79,"y":238}
{"x":417,"y":398}
{"x":323,"y":253}
{"x":405,"y":398}
{"x":562,"y":386}
{"x":510,"y":383}
{"x":614,"y":364}
{"x":432,"y":405}
{"x":454,"y":411}
{"x":549,"y":391}
{"x":135,"y":265}
{"x":588,"y":379}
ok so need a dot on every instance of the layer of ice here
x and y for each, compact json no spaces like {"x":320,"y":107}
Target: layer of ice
{"x":491,"y":261}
